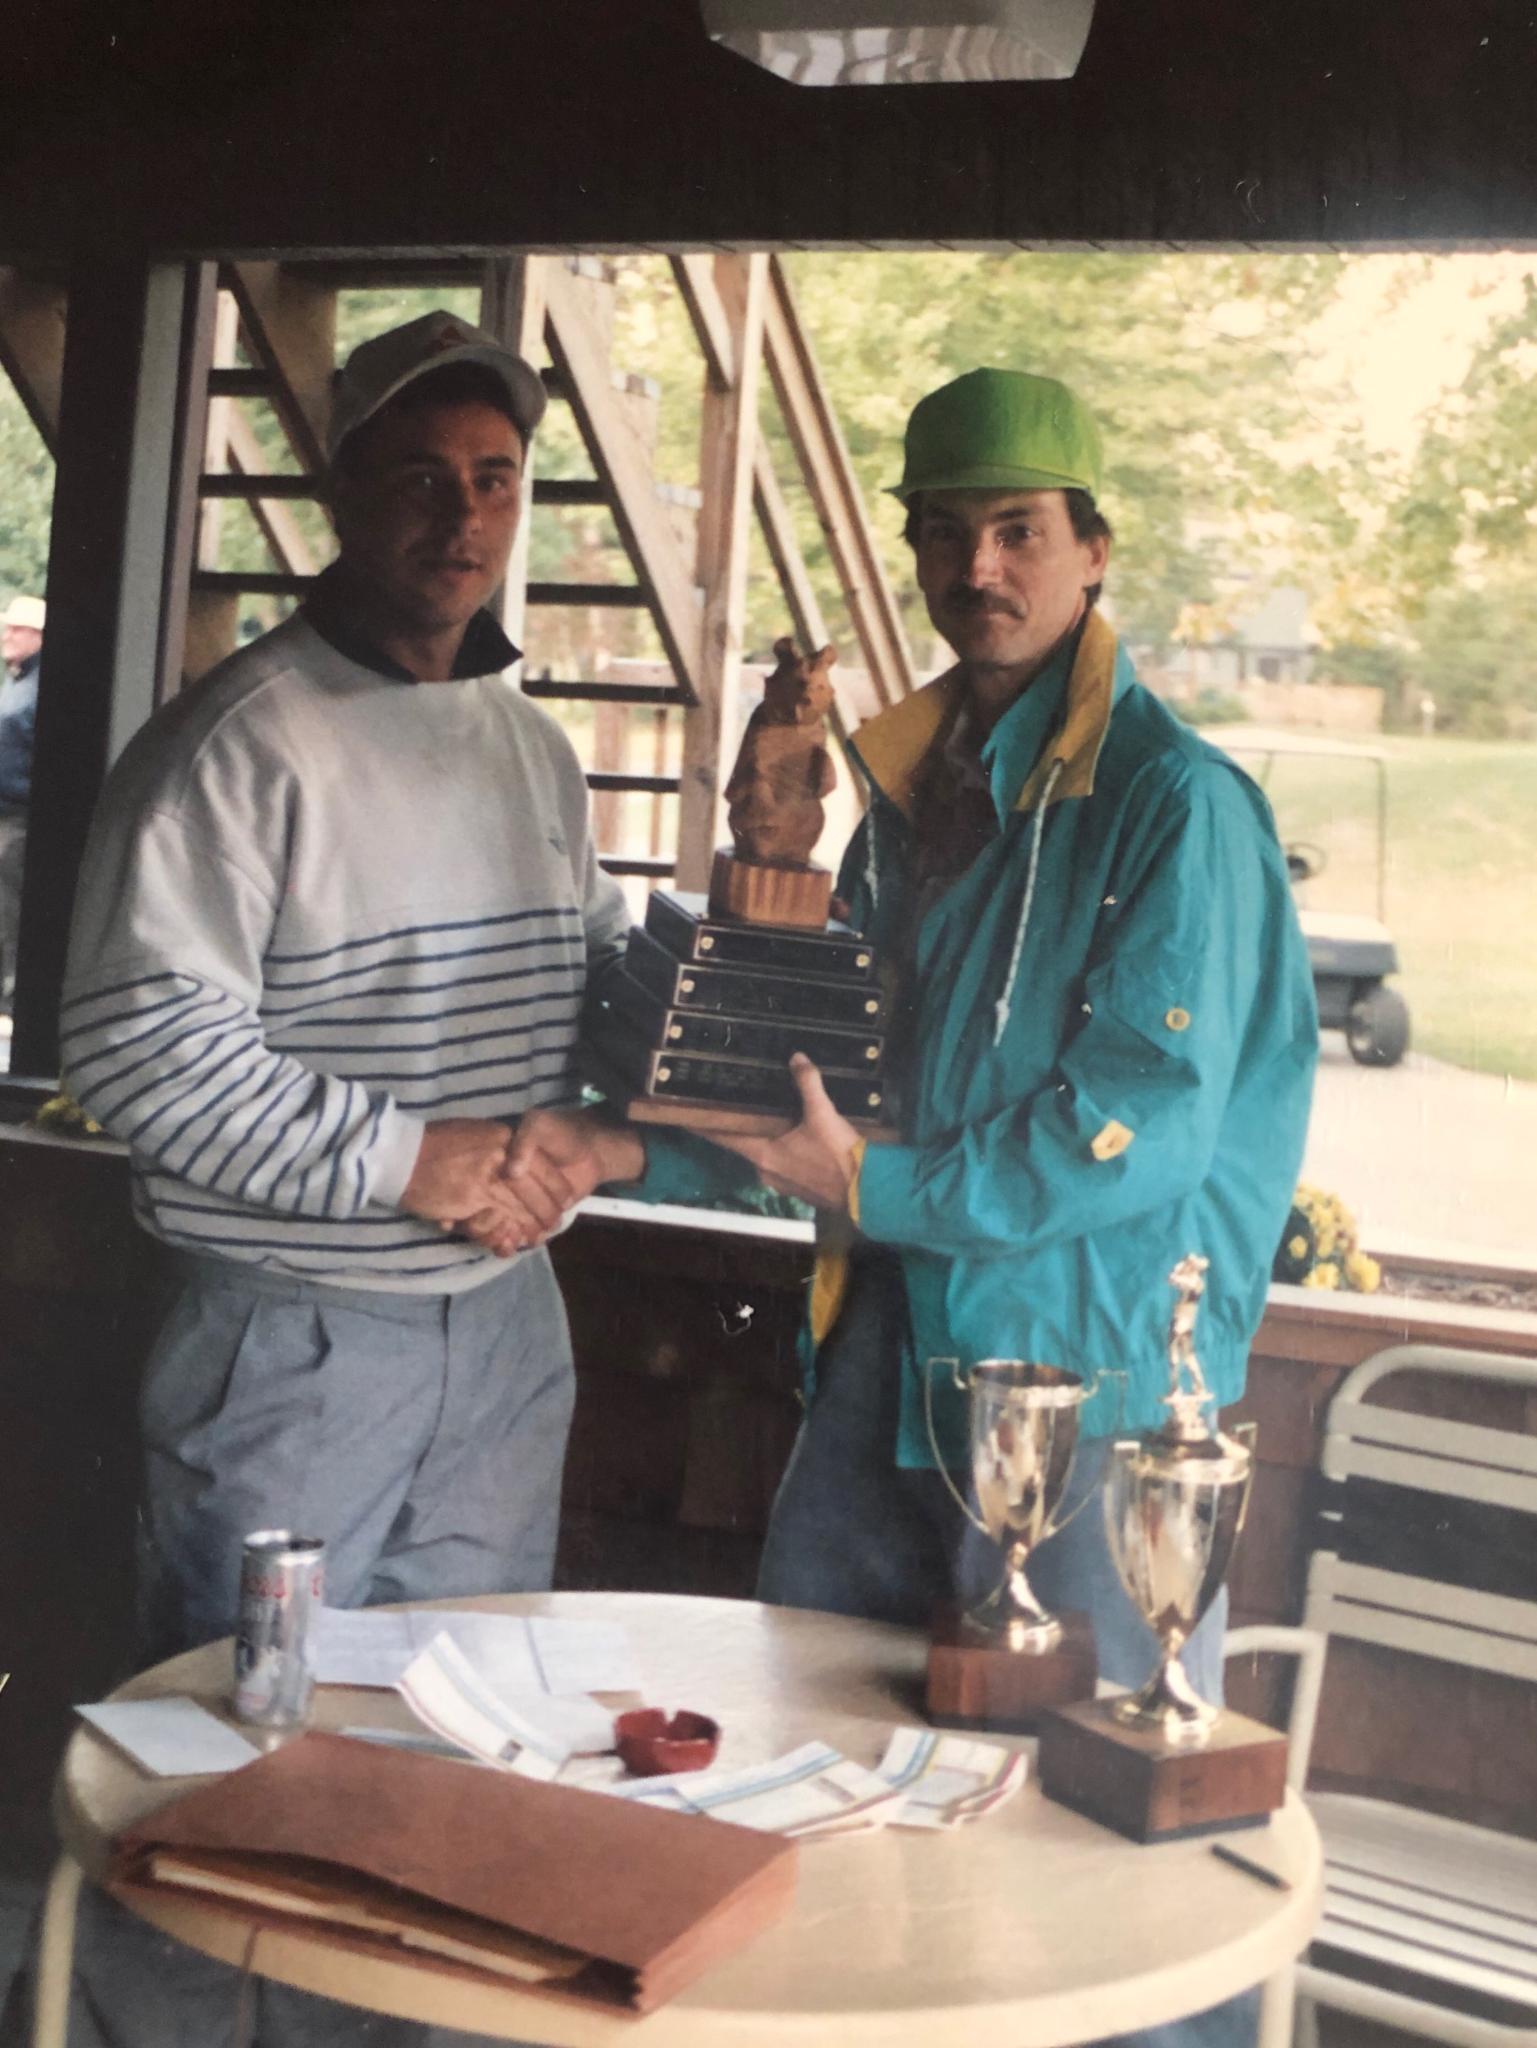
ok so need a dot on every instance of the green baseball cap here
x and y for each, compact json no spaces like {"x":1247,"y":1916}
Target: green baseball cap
{"x":1001,"y":430}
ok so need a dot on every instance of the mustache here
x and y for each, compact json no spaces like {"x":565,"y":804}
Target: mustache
{"x":961,"y":597}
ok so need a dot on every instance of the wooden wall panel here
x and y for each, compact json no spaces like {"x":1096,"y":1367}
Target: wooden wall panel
{"x":475,"y":124}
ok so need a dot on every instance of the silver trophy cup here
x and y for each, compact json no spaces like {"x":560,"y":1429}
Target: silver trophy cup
{"x":1174,"y":1505}
{"x":1023,"y":1427}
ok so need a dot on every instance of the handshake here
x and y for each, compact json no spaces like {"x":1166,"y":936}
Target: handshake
{"x":511,"y":1188}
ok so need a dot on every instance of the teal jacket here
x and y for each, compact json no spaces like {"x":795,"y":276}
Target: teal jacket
{"x":1142,"y":1089}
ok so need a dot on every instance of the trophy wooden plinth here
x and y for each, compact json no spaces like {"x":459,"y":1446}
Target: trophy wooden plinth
{"x":1147,"y":1788}
{"x":977,"y":1684}
{"x":797,"y":897}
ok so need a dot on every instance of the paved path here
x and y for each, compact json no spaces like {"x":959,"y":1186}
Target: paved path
{"x":1427,"y":1152}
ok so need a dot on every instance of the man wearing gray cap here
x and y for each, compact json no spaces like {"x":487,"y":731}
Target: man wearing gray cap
{"x":21,"y":652}
{"x":334,"y":926}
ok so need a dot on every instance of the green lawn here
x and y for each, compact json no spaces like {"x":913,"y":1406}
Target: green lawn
{"x":1461,"y":880}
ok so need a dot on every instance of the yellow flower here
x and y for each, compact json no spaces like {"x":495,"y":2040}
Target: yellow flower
{"x":1297,"y":1247}
{"x":1363,"y":1273}
{"x":1322,"y":1275}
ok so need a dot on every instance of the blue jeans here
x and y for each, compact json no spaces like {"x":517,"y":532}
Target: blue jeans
{"x":853,"y":1533}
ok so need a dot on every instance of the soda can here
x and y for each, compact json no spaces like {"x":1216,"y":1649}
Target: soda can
{"x":282,"y":1583}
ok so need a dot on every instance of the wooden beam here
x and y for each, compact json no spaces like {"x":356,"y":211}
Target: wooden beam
{"x":396,"y":274}
{"x":656,"y":868}
{"x":729,"y":441}
{"x":239,"y":380}
{"x":217,"y":415}
{"x":644,"y":785}
{"x":623,"y":467}
{"x":695,"y":277}
{"x":106,"y":564}
{"x":512,"y":307}
{"x":212,"y":630}
{"x":32,"y":315}
{"x":598,"y":693}
{"x":252,"y":582}
{"x":785,"y":553}
{"x":708,"y":315}
{"x":580,"y":490}
{"x":290,"y":325}
{"x":850,"y":708}
{"x":261,"y":483}
{"x":622,"y":596}
{"x":279,"y":529}
{"x":823,"y":456}
{"x":199,"y":331}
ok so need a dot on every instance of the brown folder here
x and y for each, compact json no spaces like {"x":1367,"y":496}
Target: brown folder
{"x":377,"y":1841}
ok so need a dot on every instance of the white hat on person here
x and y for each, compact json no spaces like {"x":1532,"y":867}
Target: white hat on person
{"x":25,"y":611}
{"x":380,"y":370}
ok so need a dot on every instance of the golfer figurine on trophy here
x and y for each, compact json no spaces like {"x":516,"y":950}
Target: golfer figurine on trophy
{"x":1162,"y":1761}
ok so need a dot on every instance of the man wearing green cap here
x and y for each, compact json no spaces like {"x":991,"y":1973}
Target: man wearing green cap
{"x":1102,"y":1045}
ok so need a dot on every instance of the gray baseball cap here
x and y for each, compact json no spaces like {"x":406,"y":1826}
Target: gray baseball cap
{"x":380,"y":370}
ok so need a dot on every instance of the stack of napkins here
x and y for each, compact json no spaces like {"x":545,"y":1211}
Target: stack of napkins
{"x":947,"y":1780}
{"x":923,"y":1781}
{"x":812,"y":1791}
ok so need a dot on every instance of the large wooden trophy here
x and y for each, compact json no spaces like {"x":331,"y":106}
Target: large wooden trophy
{"x":718,"y":992}
{"x":1162,"y":1761}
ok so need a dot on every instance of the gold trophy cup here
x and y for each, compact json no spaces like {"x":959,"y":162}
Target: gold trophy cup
{"x":1162,"y":1761}
{"x":1000,"y":1662}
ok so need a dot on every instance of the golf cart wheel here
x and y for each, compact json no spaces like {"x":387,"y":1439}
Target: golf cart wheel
{"x":1378,"y":1028}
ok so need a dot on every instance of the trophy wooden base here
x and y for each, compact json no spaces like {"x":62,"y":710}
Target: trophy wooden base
{"x":1146,"y":1788}
{"x":976,"y":1684}
{"x":800,"y":897}
{"x":722,"y":1120}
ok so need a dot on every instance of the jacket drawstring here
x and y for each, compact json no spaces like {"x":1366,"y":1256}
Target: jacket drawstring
{"x":1001,"y":1007}
{"x":871,"y":882}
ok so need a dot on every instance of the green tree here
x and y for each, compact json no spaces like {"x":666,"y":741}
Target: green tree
{"x":1471,"y":492}
{"x":1194,"y":364}
{"x":1476,"y":653}
{"x":26,"y":498}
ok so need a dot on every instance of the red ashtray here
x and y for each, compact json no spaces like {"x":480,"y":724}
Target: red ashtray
{"x":653,"y":1744}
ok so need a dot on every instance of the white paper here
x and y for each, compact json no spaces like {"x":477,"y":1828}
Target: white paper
{"x":515,"y":1655}
{"x":171,"y":1738}
{"x":584,"y":1656}
{"x":498,"y":1647}
{"x":359,"y":1646}
{"x":532,"y":1735}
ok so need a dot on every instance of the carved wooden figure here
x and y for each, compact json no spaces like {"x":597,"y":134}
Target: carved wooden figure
{"x":782,"y":773}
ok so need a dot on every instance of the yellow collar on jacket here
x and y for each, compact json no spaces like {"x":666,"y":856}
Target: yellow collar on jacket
{"x":893,"y":744}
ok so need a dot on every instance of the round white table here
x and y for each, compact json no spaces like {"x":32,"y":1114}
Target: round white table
{"x":1032,"y":1927}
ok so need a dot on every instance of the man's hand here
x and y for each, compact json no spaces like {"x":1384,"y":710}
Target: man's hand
{"x":460,"y":1177}
{"x":586,"y":1151}
{"x":816,"y":1160}
{"x":566,"y":1149}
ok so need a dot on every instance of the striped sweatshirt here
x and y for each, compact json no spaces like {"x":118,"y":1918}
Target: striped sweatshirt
{"x":320,"y":906}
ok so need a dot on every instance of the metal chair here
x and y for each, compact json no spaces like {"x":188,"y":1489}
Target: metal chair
{"x":1434,"y":1554}
{"x":1277,"y":1993}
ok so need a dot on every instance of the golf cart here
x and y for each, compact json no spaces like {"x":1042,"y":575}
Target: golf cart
{"x":1351,"y":955}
